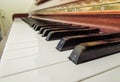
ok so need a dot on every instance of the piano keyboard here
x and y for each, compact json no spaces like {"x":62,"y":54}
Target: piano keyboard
{"x":30,"y":57}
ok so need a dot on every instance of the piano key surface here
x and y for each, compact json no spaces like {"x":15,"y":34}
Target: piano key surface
{"x":66,"y":71}
{"x":18,"y":35}
{"x":109,"y":76}
{"x":43,"y":62}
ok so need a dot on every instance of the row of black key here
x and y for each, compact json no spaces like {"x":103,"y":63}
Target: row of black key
{"x":87,"y":42}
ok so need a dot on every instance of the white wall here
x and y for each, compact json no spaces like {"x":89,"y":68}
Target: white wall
{"x":9,"y":7}
{"x":15,"y":6}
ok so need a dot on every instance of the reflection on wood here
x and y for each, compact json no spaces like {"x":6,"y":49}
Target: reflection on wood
{"x":38,"y":2}
{"x":86,"y":5}
{"x":104,"y":20}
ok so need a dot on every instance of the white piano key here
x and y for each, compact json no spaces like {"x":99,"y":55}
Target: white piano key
{"x":21,"y":32}
{"x":45,"y":48}
{"x":63,"y":72}
{"x":32,"y":62}
{"x":27,"y":78}
{"x":13,"y":47}
{"x":19,"y":53}
{"x":29,"y":55}
{"x":110,"y":76}
{"x":13,"y":50}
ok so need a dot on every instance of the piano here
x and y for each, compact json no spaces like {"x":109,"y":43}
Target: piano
{"x":53,"y":44}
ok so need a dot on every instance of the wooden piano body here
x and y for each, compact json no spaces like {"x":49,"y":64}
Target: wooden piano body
{"x":29,"y":57}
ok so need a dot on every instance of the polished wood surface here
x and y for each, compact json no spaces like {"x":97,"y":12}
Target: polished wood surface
{"x":19,"y":15}
{"x":107,"y":21}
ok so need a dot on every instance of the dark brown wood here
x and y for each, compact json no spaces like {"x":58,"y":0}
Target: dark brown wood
{"x":38,"y":2}
{"x":19,"y":15}
{"x":107,"y":21}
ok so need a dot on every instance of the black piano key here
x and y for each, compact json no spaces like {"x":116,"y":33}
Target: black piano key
{"x":53,"y":35}
{"x":49,"y":27}
{"x":46,"y":31}
{"x":62,"y":27}
{"x":32,"y":22}
{"x":42,"y":29}
{"x":34,"y":26}
{"x":94,"y":50}
{"x":67,"y":43}
{"x":37,"y":28}
{"x":55,"y":25}
{"x":40,"y":25}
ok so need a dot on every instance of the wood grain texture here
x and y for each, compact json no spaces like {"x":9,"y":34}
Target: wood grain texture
{"x":107,"y":21}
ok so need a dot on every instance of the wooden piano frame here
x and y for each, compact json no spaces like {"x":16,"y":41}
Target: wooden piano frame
{"x":107,"y":21}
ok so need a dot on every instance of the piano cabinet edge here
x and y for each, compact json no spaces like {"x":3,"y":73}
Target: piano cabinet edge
{"x":106,"y":22}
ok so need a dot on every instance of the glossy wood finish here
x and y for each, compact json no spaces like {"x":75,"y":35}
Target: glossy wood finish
{"x":107,"y":21}
{"x":18,"y":15}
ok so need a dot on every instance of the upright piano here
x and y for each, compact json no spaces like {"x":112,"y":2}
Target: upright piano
{"x":64,"y":41}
